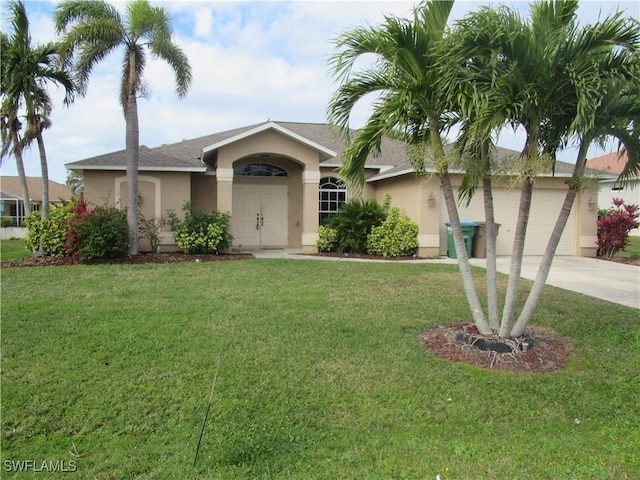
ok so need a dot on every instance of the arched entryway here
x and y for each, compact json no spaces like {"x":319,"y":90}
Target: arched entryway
{"x":269,"y":208}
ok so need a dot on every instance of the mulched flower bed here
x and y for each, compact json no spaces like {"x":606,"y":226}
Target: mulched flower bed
{"x":628,"y":261}
{"x":363,"y":256}
{"x":547,"y":350}
{"x":175,"y":257}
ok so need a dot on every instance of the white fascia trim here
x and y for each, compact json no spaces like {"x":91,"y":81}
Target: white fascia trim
{"x":271,"y":126}
{"x":119,"y":168}
{"x":381,"y":168}
{"x":382,"y":176}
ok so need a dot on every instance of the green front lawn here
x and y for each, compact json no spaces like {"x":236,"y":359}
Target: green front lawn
{"x":322,"y":377}
{"x":13,"y":249}
{"x":633,"y":250}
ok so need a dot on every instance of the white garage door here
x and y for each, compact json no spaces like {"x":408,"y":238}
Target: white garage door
{"x":545,"y":207}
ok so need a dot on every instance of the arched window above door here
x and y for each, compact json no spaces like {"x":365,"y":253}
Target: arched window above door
{"x":259,"y":170}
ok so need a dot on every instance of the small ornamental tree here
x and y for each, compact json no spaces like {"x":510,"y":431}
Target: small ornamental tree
{"x":614,"y":227}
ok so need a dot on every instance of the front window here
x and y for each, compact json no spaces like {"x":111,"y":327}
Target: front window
{"x":333,"y":193}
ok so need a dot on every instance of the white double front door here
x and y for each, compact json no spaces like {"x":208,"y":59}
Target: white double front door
{"x":260,"y":215}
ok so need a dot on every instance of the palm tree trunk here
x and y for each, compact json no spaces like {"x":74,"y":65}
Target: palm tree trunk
{"x":492,"y":272}
{"x":547,"y":259}
{"x":463,"y":260}
{"x":45,"y":177}
{"x":132,"y":146}
{"x":26,"y":200}
{"x":511,"y":297}
{"x":44,"y":211}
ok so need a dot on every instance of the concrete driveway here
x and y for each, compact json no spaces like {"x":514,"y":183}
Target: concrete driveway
{"x":611,"y":281}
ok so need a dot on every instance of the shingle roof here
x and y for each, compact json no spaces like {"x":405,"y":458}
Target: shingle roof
{"x":186,"y":155}
{"x":147,"y":159}
{"x":57,"y":191}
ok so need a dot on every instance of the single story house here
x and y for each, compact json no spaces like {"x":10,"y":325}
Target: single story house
{"x":12,"y":201}
{"x":278,"y":180}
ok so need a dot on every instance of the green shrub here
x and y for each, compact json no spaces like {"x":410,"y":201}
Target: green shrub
{"x":33,"y":222}
{"x":327,"y":239}
{"x":200,"y":232}
{"x":396,"y":237}
{"x":52,"y":230}
{"x":7,"y":222}
{"x":98,"y":233}
{"x":353,"y":223}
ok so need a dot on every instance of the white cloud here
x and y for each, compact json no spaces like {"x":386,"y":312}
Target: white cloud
{"x":203,"y":20}
{"x":251,"y":61}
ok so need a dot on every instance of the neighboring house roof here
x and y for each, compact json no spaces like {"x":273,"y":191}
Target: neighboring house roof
{"x":611,"y":163}
{"x":188,"y":155}
{"x":11,"y":186}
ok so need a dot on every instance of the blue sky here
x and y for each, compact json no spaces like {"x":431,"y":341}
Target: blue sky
{"x":251,"y":61}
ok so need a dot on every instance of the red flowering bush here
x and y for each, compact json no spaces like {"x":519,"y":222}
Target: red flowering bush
{"x":614,"y":226}
{"x":96,"y":233}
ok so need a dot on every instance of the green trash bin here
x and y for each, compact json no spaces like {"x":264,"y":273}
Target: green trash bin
{"x":468,"y":230}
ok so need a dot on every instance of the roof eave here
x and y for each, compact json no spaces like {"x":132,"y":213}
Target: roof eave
{"x":70,"y":166}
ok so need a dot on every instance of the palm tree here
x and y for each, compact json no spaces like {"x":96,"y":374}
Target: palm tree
{"x":549,"y":77}
{"x":75,"y":182}
{"x":93,"y":29}
{"x":405,"y":76}
{"x":26,"y":70}
{"x":618,"y":110}
{"x":10,"y":127}
{"x":495,"y":70}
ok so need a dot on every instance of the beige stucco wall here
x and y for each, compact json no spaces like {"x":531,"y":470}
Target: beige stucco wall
{"x":159,"y":192}
{"x":267,"y":143}
{"x":587,"y":228}
{"x":204,"y":192}
{"x":410,"y":194}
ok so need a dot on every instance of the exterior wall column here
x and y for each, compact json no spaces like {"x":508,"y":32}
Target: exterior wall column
{"x":310,"y":187}
{"x":586,"y":225}
{"x":224,"y":180}
{"x":430,"y":201}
